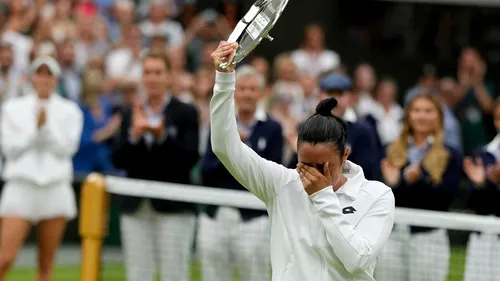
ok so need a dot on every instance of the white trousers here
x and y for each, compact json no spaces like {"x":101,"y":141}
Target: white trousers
{"x":227,"y":243}
{"x":483,"y":258}
{"x":414,"y":257}
{"x":153,"y":241}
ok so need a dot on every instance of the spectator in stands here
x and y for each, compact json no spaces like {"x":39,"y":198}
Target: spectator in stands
{"x":124,"y":61}
{"x":452,"y":128}
{"x":483,"y":170}
{"x":182,"y":80}
{"x":21,"y":17}
{"x":202,"y":37}
{"x":264,"y":68}
{"x":310,"y":96}
{"x":423,"y":173}
{"x":365,"y":81}
{"x":476,"y":100}
{"x":123,"y":17}
{"x":313,"y":58}
{"x":238,"y":238}
{"x":158,"y":141}
{"x":287,"y":85}
{"x":90,"y":41}
{"x":11,"y":77}
{"x":39,"y":135}
{"x":99,"y":125}
{"x":361,"y":139}
{"x":202,"y":93}
{"x":158,"y":21}
{"x":70,"y":84}
{"x":428,"y":82}
{"x":63,"y":27}
{"x":387,"y":112}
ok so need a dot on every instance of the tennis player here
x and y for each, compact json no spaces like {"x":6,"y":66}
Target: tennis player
{"x":327,"y":221}
{"x":40,"y":133}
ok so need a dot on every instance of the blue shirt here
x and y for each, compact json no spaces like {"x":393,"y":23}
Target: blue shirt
{"x":92,"y":156}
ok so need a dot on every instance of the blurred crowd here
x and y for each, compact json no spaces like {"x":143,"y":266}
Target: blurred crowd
{"x":445,"y":131}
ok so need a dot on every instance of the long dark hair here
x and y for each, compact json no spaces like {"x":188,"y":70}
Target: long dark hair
{"x":324,"y":128}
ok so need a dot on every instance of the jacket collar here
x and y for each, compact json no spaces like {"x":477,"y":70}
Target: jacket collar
{"x":494,"y":145}
{"x":355,"y":179}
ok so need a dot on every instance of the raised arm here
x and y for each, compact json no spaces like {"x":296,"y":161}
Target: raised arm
{"x":261,"y":177}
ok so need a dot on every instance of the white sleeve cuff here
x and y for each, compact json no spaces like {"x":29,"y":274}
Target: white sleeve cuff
{"x":319,"y":196}
{"x":225,"y":82}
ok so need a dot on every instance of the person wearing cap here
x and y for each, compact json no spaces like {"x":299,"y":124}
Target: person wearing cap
{"x":361,"y":138}
{"x":40,"y":133}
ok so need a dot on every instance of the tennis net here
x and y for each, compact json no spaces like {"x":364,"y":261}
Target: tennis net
{"x":224,"y":235}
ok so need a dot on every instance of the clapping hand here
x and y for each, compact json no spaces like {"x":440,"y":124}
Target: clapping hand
{"x":412,"y":173}
{"x":390,"y":172}
{"x":157,"y":129}
{"x":42,"y":116}
{"x":475,"y":171}
{"x":493,"y":173}
{"x":139,"y":120}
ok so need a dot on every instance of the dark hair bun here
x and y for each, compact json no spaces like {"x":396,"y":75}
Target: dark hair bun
{"x":325,"y":107}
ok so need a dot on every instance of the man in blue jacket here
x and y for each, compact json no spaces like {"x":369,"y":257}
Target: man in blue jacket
{"x":230,"y":237}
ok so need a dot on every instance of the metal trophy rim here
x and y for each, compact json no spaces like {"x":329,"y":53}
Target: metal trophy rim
{"x":279,"y":12}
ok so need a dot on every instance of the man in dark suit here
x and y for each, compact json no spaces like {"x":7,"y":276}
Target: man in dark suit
{"x":158,"y":141}
{"x":239,"y":238}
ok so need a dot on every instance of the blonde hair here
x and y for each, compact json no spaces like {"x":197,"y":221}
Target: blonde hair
{"x":435,"y":161}
{"x":92,"y":87}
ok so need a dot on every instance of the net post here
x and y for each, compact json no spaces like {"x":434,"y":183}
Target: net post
{"x":93,"y":224}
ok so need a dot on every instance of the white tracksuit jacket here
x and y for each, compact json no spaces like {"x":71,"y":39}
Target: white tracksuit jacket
{"x":328,"y":236}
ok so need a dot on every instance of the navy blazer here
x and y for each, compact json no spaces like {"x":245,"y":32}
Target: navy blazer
{"x":373,"y":123}
{"x":364,"y":151}
{"x":424,"y":194}
{"x":169,"y":161}
{"x":485,"y":200}
{"x":266,"y":140}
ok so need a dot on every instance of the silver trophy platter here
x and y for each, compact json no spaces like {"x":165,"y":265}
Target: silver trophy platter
{"x":255,"y":26}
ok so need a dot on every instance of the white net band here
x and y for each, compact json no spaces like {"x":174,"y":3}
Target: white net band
{"x":244,"y":199}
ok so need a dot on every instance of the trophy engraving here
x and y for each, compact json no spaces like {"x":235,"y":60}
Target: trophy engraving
{"x":255,"y":26}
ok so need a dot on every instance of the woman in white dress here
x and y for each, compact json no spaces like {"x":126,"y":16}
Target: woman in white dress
{"x":40,"y":133}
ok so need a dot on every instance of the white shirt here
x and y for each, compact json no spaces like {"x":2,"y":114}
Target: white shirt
{"x":121,"y":62}
{"x":389,"y":123}
{"x":494,"y":147}
{"x":315,"y":64}
{"x":172,"y":30}
{"x":22,"y":47}
{"x":365,"y":105}
{"x":326,"y":236}
{"x":40,"y":156}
